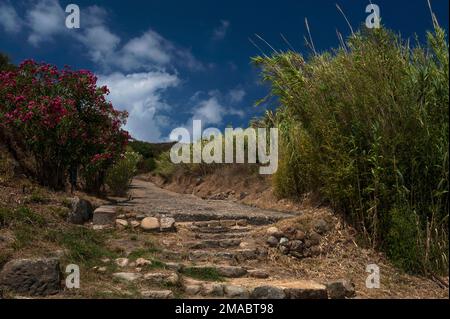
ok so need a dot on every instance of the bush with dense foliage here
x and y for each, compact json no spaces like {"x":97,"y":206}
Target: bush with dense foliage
{"x":63,"y":119}
{"x":366,"y":126}
{"x":120,"y":174}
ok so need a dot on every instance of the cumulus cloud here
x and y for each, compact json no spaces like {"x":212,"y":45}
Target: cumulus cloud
{"x":220,"y":32}
{"x":141,"y":94}
{"x":46,"y":19}
{"x":236,"y":95}
{"x":9,"y":20}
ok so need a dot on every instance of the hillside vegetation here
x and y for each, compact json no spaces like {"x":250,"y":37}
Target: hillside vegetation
{"x":366,"y":127}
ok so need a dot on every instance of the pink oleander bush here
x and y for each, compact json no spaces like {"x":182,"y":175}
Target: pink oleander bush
{"x":63,"y":119}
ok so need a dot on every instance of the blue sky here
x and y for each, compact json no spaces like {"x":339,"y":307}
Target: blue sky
{"x":168,"y":62}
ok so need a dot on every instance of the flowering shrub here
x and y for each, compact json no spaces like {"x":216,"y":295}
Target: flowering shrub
{"x":63,"y":119}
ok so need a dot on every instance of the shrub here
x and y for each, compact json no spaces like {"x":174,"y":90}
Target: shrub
{"x":366,"y":127}
{"x":63,"y":119}
{"x":119,"y":175}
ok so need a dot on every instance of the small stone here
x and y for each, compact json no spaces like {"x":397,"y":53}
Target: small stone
{"x":192,"y":289}
{"x":321,"y":226}
{"x":272,"y":241}
{"x":167,"y":224}
{"x":268,"y":292}
{"x":284,"y":241}
{"x":135,"y":224}
{"x":127,"y":276}
{"x":340,"y":289}
{"x":232,"y":291}
{"x":296,"y":246}
{"x":121,"y":223}
{"x":102,"y":269}
{"x":105,"y":215}
{"x":256,"y":273}
{"x":121,"y":216}
{"x":274,"y":231}
{"x":315,"y":250}
{"x":140,"y":262}
{"x":130,"y":215}
{"x":244,"y":245}
{"x":150,"y":224}
{"x":105,"y":260}
{"x":284,"y":250}
{"x":212,"y":289}
{"x":300,"y":235}
{"x":315,"y":238}
{"x":122,"y":262}
{"x":162,"y":278}
{"x":138,"y":269}
{"x":157,"y":294}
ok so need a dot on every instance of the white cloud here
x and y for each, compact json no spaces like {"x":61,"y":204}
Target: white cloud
{"x":221,"y":31}
{"x":45,"y":19}
{"x":9,"y":20}
{"x":100,"y":43}
{"x":236,"y":95}
{"x":141,"y":95}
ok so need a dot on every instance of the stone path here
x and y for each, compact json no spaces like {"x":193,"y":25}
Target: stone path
{"x":215,"y":241}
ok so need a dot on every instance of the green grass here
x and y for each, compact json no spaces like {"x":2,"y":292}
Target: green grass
{"x":84,"y":246}
{"x":204,"y":273}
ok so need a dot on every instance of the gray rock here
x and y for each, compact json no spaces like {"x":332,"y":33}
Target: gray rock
{"x":162,"y":278}
{"x":157,"y":294}
{"x":232,"y":291}
{"x":341,"y":289}
{"x":272,"y":241}
{"x":284,"y":241}
{"x":268,"y":292}
{"x":105,"y":215}
{"x":81,"y":211}
{"x":284,"y":250}
{"x":296,"y":246}
{"x":35,"y":277}
{"x":127,"y":276}
{"x":167,"y":224}
{"x":257,"y":273}
{"x":315,"y":238}
{"x":321,"y":226}
{"x":231,"y":271}
{"x":212,"y":289}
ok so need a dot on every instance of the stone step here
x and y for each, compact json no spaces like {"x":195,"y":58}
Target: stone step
{"x":222,"y":270}
{"x":226,"y":235}
{"x":237,"y":255}
{"x":218,"y":229}
{"x":214,"y":216}
{"x":214,"y":243}
{"x":256,"y":289}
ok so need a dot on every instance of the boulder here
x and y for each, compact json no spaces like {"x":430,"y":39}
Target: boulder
{"x":35,"y":277}
{"x":257,"y":273}
{"x":150,"y":224}
{"x":81,"y":211}
{"x":105,"y":215}
{"x":340,"y":289}
{"x":268,"y":292}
